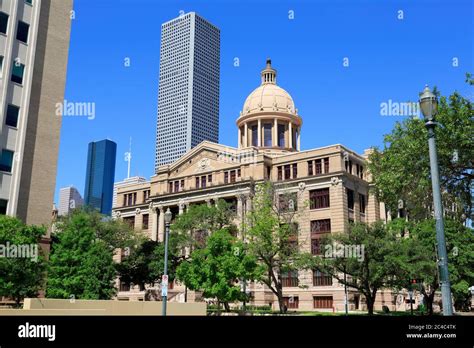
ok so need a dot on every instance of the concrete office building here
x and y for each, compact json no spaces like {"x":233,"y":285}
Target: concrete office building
{"x":188,"y":100}
{"x":69,"y":199}
{"x":329,"y":187}
{"x":100,"y":175}
{"x":34,"y":44}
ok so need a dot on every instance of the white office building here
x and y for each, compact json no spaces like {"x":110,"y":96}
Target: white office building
{"x":188,"y":100}
{"x":69,"y":199}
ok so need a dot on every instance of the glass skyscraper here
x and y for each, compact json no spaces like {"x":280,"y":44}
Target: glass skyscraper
{"x":100,"y":175}
{"x":188,"y":100}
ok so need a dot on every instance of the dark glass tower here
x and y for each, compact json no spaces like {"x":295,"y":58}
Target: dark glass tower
{"x":100,"y":175}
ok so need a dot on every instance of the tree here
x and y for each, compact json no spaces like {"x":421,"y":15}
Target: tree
{"x":401,"y":170}
{"x":192,"y":227}
{"x":417,"y":259}
{"x":145,"y":263}
{"x":81,"y":263}
{"x":272,"y":236}
{"x":216,"y":269}
{"x":365,"y":255}
{"x":20,"y":277}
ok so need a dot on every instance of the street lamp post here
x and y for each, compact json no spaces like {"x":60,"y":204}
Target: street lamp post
{"x":429,"y":108}
{"x":164,"y":282}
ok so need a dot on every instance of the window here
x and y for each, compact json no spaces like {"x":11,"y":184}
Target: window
{"x":17,"y":73}
{"x":319,"y":168}
{"x":12,"y":115}
{"x":319,"y":198}
{"x":239,"y":173}
{"x":288,"y":202}
{"x":203,"y":181}
{"x":310,"y":167}
{"x":170,"y":187}
{"x":254,"y":136}
{"x":146,"y":195}
{"x":197,"y":182}
{"x":6,"y":161}
{"x":350,"y":199}
{"x":226,"y":177}
{"x":295,"y":171}
{"x":209,"y":178}
{"x":176,"y":186}
{"x":326,"y":165}
{"x":287,"y":172}
{"x":130,"y":220}
{"x":281,"y":135}
{"x":145,"y":222}
{"x":182,"y":185}
{"x":22,"y":32}
{"x":320,"y":226}
{"x":3,"y":206}
{"x":232,"y":176}
{"x":321,"y":279}
{"x":291,"y":302}
{"x":280,"y":173}
{"x":362,"y":203}
{"x":29,"y":2}
{"x":322,"y":301}
{"x":3,"y":22}
{"x":267,"y":134}
{"x":289,"y":279}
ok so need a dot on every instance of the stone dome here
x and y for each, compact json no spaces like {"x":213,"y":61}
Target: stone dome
{"x":269,"y":96}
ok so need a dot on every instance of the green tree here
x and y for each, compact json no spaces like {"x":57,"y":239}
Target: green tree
{"x":365,"y":255}
{"x":401,"y":169}
{"x":20,"y":277}
{"x":81,"y":263}
{"x":272,"y":236}
{"x":416,"y":258}
{"x":145,"y":263}
{"x":191,"y":228}
{"x":216,"y":269}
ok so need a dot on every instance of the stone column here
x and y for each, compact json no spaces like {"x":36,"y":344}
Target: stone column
{"x":208,"y":202}
{"x":246,"y":133}
{"x":298,"y":141}
{"x":240,"y":212}
{"x":154,"y":223}
{"x":161,"y":224}
{"x":259,"y":137}
{"x":275,"y":132}
{"x":240,"y":139}
{"x":290,"y":135}
{"x":181,"y":208}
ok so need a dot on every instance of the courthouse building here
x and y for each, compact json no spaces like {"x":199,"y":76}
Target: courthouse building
{"x":330,"y":183}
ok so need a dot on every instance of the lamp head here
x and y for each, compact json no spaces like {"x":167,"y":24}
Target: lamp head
{"x":168,"y":216}
{"x":428,"y":104}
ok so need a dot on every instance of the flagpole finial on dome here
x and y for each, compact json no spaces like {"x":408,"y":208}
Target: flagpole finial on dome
{"x":268,"y":74}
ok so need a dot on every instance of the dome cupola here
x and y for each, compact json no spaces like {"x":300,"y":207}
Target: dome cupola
{"x":269,"y":118}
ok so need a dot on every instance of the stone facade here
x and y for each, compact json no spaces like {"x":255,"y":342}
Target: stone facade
{"x":211,"y":171}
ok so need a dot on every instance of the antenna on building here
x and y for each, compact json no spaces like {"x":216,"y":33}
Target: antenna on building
{"x":128,"y":157}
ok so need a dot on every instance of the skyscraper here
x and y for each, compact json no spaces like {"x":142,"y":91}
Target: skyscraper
{"x":34,"y":44}
{"x":100,"y":175}
{"x":188,"y":100}
{"x":69,"y":199}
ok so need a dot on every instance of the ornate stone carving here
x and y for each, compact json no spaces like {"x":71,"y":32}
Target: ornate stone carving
{"x":301,"y":186}
{"x":137,"y":211}
{"x":335,"y":181}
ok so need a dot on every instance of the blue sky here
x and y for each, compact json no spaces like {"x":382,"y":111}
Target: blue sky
{"x":389,"y":58}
